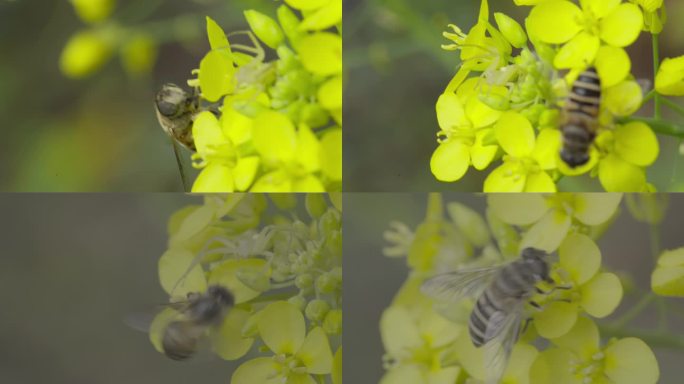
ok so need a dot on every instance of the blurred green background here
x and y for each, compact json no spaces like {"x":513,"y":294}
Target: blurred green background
{"x":97,"y":133}
{"x":376,"y":279}
{"x":396,"y":71}
{"x":74,"y":266}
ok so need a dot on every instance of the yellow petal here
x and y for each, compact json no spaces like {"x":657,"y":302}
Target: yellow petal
{"x":554,"y":22}
{"x":506,"y":178}
{"x":612,"y":64}
{"x":548,"y":232}
{"x":578,"y":52}
{"x":631,"y":361}
{"x":515,"y":134}
{"x":450,"y":161}
{"x":539,"y":182}
{"x":622,"y":26}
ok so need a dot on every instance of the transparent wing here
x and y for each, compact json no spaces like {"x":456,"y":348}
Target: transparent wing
{"x":500,"y":337}
{"x":141,"y":321}
{"x":454,"y":286}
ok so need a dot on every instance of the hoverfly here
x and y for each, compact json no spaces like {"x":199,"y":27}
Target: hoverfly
{"x":176,"y":110}
{"x":502,"y":291}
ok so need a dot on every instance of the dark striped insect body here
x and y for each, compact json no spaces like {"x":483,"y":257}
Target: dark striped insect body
{"x":501,"y":294}
{"x":580,"y":118}
{"x":180,"y":339}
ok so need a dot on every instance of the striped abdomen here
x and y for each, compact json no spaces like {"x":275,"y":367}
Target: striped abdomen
{"x":581,"y":113}
{"x":515,"y":282}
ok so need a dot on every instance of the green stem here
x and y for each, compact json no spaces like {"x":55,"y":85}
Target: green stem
{"x":674,"y":106}
{"x":272,"y":297}
{"x":656,"y":65}
{"x":662,"y":314}
{"x":654,"y":240}
{"x":634,"y":311}
{"x":658,"y":125}
{"x":651,"y":94}
{"x":652,"y":338}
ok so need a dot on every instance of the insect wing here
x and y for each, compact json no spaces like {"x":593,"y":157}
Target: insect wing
{"x":454,"y":286}
{"x":142,"y":321}
{"x":500,"y":337}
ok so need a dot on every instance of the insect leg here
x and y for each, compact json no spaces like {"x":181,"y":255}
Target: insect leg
{"x":527,"y":324}
{"x":179,"y":162}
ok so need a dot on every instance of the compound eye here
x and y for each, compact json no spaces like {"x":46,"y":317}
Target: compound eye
{"x":166,"y":108}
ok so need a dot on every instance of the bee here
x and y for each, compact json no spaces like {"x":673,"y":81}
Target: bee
{"x":202,"y":311}
{"x":502,"y":292}
{"x":176,"y":109}
{"x":196,"y":316}
{"x":580,"y":118}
